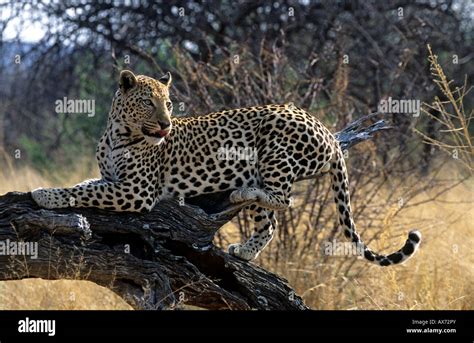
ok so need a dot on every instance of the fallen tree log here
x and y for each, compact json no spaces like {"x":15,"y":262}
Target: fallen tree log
{"x":156,"y":260}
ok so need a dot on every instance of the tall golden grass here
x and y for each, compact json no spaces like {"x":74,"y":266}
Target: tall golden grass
{"x":450,"y":115}
{"x":439,"y":276}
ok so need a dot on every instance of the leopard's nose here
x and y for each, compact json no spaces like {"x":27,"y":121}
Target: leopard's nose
{"x":164,"y":124}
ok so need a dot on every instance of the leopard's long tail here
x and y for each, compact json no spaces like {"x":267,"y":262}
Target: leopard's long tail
{"x":340,"y":185}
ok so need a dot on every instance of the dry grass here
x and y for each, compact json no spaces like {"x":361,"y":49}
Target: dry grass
{"x":440,"y":276}
{"x":450,"y":115}
{"x":38,"y":294}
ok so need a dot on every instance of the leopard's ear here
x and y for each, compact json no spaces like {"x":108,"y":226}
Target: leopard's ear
{"x":166,"y":79}
{"x":128,"y":80}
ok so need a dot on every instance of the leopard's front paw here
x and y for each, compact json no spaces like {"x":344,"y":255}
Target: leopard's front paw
{"x":50,"y":197}
{"x":240,"y":251}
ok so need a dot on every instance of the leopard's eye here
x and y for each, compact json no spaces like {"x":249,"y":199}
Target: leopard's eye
{"x":169,"y":105}
{"x":147,"y":102}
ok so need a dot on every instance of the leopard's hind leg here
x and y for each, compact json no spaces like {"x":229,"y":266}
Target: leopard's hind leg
{"x":265,"y":224}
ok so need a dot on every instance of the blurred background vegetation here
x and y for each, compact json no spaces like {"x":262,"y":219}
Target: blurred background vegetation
{"x":337,"y":59}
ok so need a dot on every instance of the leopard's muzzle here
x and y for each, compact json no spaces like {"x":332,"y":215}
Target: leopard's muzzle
{"x":157,"y":131}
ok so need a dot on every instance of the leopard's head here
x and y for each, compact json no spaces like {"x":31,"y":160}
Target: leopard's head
{"x":145,"y":106}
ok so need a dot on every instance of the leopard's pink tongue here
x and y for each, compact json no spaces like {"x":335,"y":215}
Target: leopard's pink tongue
{"x":163,"y":133}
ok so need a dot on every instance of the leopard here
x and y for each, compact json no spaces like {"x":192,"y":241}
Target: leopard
{"x":257,"y":154}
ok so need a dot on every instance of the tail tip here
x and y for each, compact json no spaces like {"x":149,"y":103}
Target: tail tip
{"x":414,"y":236}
